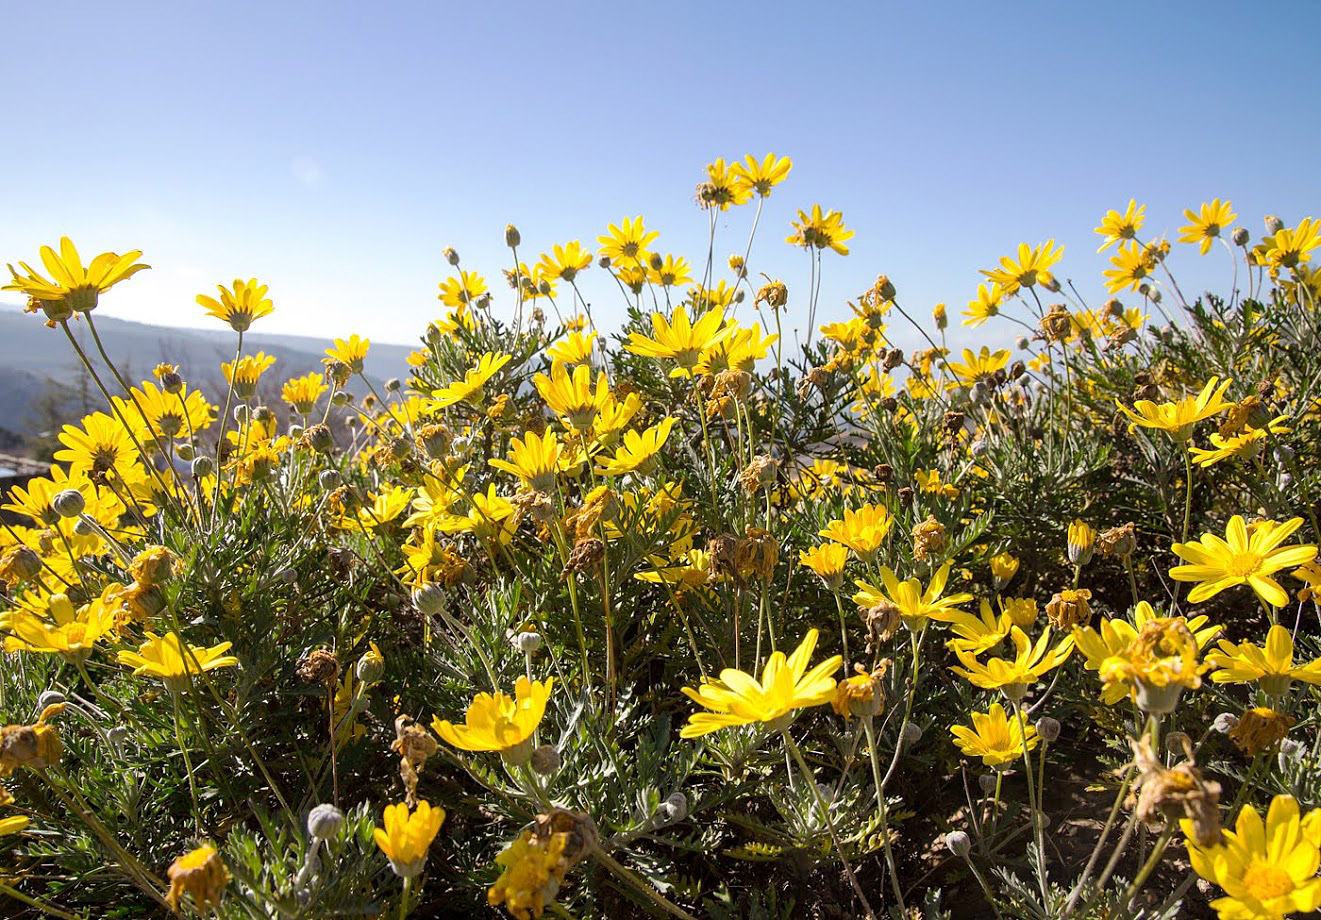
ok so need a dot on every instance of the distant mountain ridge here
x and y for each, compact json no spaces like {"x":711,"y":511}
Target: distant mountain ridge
{"x":31,"y":354}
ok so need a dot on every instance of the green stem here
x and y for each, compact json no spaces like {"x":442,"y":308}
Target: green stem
{"x":33,"y":902}
{"x":651,"y":894}
{"x":882,"y":811}
{"x":830,"y":824}
{"x":1037,"y":834}
{"x":187,"y":762}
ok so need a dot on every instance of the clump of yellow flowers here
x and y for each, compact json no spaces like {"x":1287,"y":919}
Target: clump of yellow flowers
{"x":622,"y":555}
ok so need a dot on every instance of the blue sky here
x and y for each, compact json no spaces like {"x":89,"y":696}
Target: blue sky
{"x":333,"y":149}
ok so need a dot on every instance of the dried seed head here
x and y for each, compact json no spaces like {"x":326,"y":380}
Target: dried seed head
{"x":319,"y":666}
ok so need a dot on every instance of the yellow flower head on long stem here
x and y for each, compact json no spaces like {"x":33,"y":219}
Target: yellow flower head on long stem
{"x":820,"y":231}
{"x":1267,"y":869}
{"x":679,"y":339}
{"x":786,"y":684}
{"x":406,"y":837}
{"x":1245,"y":555}
{"x":761,"y":177}
{"x":102,"y":444}
{"x":994,"y":737}
{"x":1270,"y":665}
{"x":351,"y":351}
{"x":171,"y":660}
{"x":1178,"y":418}
{"x":915,"y":605}
{"x":246,"y":372}
{"x":861,"y":530}
{"x":1013,"y":676}
{"x":533,"y":459}
{"x":1116,"y":227}
{"x":65,"y":631}
{"x":570,"y":395}
{"x":472,"y":383}
{"x":637,"y":450}
{"x":625,"y":244}
{"x":496,"y":722}
{"x":1032,"y":267}
{"x":72,"y":288}
{"x":240,"y":305}
{"x":1207,"y":224}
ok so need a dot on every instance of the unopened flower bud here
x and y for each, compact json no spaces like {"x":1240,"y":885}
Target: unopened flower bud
{"x":1289,"y":750}
{"x":958,"y":843}
{"x":185,"y":451}
{"x":604,"y":261}
{"x":68,"y":503}
{"x":329,"y":479}
{"x":674,"y":808}
{"x":545,"y":760}
{"x":319,"y":438}
{"x":370,"y":666}
{"x":1048,"y":729}
{"x":527,"y":641}
{"x":242,"y":413}
{"x":1241,"y":236}
{"x":450,"y":255}
{"x":987,"y":783}
{"x":1225,"y":723}
{"x":84,"y":527}
{"x":912,"y":734}
{"x":512,"y":237}
{"x":324,"y":822}
{"x":393,"y":384}
{"x":1273,"y":224}
{"x":172,"y":383}
{"x":203,"y":466}
{"x":263,"y":414}
{"x":118,"y":736}
{"x":431,"y":600}
{"x":288,"y":575}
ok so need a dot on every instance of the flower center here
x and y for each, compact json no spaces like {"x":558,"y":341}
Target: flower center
{"x":1265,"y":881}
{"x":1243,"y":564}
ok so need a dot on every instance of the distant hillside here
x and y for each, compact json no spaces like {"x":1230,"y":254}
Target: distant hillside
{"x":32,"y":354}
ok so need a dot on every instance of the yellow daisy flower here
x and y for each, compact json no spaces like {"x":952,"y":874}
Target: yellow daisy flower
{"x":994,"y":737}
{"x":1244,"y":556}
{"x":786,"y":684}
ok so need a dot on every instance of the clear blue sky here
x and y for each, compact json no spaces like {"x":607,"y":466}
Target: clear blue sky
{"x":333,"y":149}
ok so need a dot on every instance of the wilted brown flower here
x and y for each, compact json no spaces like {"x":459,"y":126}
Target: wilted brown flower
{"x":775,"y":294}
{"x":319,"y":666}
{"x":1260,"y":728}
{"x":1069,"y":608}
{"x":587,"y":553}
{"x":35,"y":746}
{"x":601,"y":504}
{"x":863,"y":694}
{"x":1118,"y":541}
{"x":928,"y":539}
{"x":154,"y":565}
{"x":414,"y":744}
{"x":759,"y":474}
{"x":1057,"y":323}
{"x":1179,"y":792}
{"x":882,"y":621}
{"x":756,"y":555}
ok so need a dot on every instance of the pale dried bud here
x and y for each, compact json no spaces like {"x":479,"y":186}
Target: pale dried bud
{"x":324,"y":822}
{"x":958,"y":843}
{"x":1048,"y":729}
{"x":68,"y":503}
